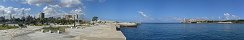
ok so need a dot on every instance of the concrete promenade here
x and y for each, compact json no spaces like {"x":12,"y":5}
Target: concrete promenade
{"x":11,"y":34}
{"x":101,"y":32}
{"x":95,"y":32}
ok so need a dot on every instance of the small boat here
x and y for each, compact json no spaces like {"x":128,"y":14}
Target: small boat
{"x":128,"y":24}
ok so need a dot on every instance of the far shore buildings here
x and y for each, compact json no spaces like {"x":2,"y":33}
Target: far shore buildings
{"x":68,"y":17}
{"x":193,"y":20}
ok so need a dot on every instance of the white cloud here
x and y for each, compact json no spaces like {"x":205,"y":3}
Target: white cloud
{"x":226,"y":14}
{"x":70,"y":3}
{"x":48,"y":10}
{"x":77,"y":11}
{"x":17,"y":12}
{"x":52,"y":11}
{"x":54,"y":7}
{"x":101,"y":1}
{"x":142,"y":14}
{"x":146,"y":18}
{"x":229,"y":16}
{"x":61,"y":3}
{"x":39,"y":2}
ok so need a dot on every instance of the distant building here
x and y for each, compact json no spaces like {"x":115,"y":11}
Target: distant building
{"x":194,"y":21}
{"x":42,"y":15}
{"x":69,"y":17}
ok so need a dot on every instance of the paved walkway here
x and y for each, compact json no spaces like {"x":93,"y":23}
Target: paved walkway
{"x":10,"y":34}
{"x":98,"y":32}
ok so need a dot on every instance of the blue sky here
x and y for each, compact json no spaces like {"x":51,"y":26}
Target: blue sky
{"x":155,"y":10}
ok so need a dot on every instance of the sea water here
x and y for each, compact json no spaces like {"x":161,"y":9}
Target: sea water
{"x":176,"y":31}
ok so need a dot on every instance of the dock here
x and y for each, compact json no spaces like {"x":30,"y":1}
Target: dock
{"x":101,"y":32}
{"x":128,"y":24}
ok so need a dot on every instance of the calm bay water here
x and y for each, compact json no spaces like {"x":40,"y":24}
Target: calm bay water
{"x":185,"y":32}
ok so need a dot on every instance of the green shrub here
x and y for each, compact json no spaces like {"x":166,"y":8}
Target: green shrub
{"x":4,"y":26}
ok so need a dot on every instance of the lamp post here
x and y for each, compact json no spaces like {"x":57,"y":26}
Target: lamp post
{"x":74,"y":20}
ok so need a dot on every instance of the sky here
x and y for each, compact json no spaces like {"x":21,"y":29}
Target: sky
{"x":130,"y":10}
